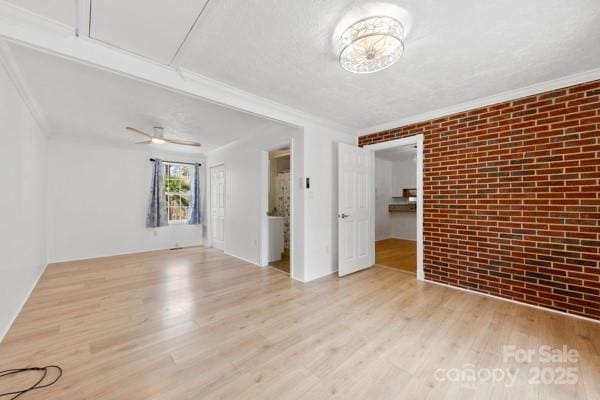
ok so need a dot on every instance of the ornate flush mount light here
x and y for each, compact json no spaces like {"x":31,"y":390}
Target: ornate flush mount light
{"x":371,"y":44}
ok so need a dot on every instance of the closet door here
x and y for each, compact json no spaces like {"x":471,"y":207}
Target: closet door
{"x":217,"y":206}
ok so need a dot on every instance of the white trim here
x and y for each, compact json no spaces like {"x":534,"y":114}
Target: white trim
{"x":319,"y":276}
{"x":82,"y":17}
{"x":14,"y":73}
{"x":29,"y":29}
{"x":264,"y":204}
{"x":397,"y":237}
{"x":126,"y":253}
{"x":5,"y":332}
{"x":243,"y":259}
{"x":418,"y":140}
{"x":515,"y":94}
{"x":263,"y":227}
{"x":209,"y":239}
{"x":566,"y":314}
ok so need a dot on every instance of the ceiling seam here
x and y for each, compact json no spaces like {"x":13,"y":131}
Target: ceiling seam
{"x":90,"y":20}
{"x":189,"y":32}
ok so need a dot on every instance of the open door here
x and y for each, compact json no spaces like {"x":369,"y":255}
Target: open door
{"x":356,"y":213}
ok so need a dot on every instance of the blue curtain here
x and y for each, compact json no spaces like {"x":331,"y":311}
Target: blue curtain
{"x":157,"y":209}
{"x":195,"y":207}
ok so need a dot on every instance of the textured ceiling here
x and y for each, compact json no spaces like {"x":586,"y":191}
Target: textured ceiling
{"x":154,"y":31}
{"x":456,"y":51}
{"x":285,"y":50}
{"x":88,"y":104}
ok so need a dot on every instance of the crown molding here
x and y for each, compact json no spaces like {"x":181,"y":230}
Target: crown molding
{"x":29,"y":29}
{"x":530,"y":90}
{"x":14,"y":73}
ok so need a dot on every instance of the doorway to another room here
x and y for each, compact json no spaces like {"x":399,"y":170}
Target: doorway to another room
{"x":395,"y":208}
{"x":398,"y":216}
{"x":278,"y":213}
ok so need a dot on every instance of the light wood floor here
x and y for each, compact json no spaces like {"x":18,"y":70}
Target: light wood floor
{"x":196,"y":324}
{"x":397,"y":253}
{"x":283,"y":264}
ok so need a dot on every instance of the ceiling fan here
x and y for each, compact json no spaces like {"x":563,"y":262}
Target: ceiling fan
{"x":158,"y":137}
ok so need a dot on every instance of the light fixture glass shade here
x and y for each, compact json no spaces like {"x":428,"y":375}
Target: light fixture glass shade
{"x":157,"y":140}
{"x":371,"y":44}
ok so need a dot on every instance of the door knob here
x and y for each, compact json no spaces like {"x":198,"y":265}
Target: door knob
{"x":342,"y":215}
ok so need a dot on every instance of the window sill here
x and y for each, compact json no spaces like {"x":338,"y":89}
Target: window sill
{"x":179,"y":222}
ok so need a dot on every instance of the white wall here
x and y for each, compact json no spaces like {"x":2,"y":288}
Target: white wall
{"x":22,"y":202}
{"x":390,"y":178}
{"x":98,"y":197}
{"x":314,"y":227}
{"x":383,"y":197}
{"x":246,"y":200}
{"x":321,"y":222}
{"x":404,"y":175}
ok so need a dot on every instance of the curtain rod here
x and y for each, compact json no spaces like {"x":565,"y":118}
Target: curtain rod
{"x":176,"y":162}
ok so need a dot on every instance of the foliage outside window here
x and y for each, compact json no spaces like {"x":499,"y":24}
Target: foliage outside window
{"x":177,"y":191}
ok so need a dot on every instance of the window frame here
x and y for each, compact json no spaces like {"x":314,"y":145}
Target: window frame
{"x":166,"y":166}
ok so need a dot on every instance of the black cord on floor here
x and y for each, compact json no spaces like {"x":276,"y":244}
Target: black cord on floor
{"x":37,"y":385}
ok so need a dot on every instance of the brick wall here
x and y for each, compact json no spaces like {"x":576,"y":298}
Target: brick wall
{"x":512,"y":198}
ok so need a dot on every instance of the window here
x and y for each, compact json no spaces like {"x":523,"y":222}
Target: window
{"x":177,"y":191}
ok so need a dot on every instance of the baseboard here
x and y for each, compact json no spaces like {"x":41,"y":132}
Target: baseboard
{"x":128,"y":253}
{"x":515,"y":301}
{"x":243,"y":259}
{"x":397,"y":237}
{"x":314,"y":278}
{"x":403,"y":238}
{"x":5,"y":332}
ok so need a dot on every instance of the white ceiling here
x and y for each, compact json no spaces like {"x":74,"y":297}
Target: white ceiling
{"x":88,"y":104}
{"x":63,"y":11}
{"x":284,"y":50}
{"x":153,"y":30}
{"x":456,"y":51}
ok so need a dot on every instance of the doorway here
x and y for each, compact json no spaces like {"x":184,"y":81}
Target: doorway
{"x":279,"y":209}
{"x":395,"y":208}
{"x":409,"y":201}
{"x":217,"y":206}
{"x":356,"y":204}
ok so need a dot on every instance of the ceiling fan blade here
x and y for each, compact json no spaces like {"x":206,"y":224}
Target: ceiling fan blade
{"x":138,"y":131}
{"x":144,"y":142}
{"x":183,"y":142}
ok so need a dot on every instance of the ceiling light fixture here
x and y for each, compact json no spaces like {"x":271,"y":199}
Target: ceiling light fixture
{"x":371,"y":44}
{"x":157,"y":140}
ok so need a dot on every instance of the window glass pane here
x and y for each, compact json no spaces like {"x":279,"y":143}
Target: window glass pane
{"x":185,"y":199}
{"x":177,"y":190}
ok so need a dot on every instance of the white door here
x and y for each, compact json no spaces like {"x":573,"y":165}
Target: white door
{"x":217,"y":206}
{"x":356,"y":212}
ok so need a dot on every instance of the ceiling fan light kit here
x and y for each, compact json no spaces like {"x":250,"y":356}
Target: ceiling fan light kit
{"x":371,"y":44}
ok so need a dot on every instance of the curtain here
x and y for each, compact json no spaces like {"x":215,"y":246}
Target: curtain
{"x":282,"y":199}
{"x":157,"y":208}
{"x":195,"y":210}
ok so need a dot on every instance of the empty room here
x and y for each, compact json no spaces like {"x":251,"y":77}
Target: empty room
{"x":276,"y":199}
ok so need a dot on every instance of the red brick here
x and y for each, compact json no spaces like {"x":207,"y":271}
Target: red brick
{"x":512,"y":198}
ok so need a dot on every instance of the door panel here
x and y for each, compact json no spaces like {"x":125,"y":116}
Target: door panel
{"x":356,"y":199}
{"x":217,"y":212}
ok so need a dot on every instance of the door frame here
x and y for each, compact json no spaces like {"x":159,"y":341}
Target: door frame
{"x":209,"y":229}
{"x":414,"y":140}
{"x":264,"y":204}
